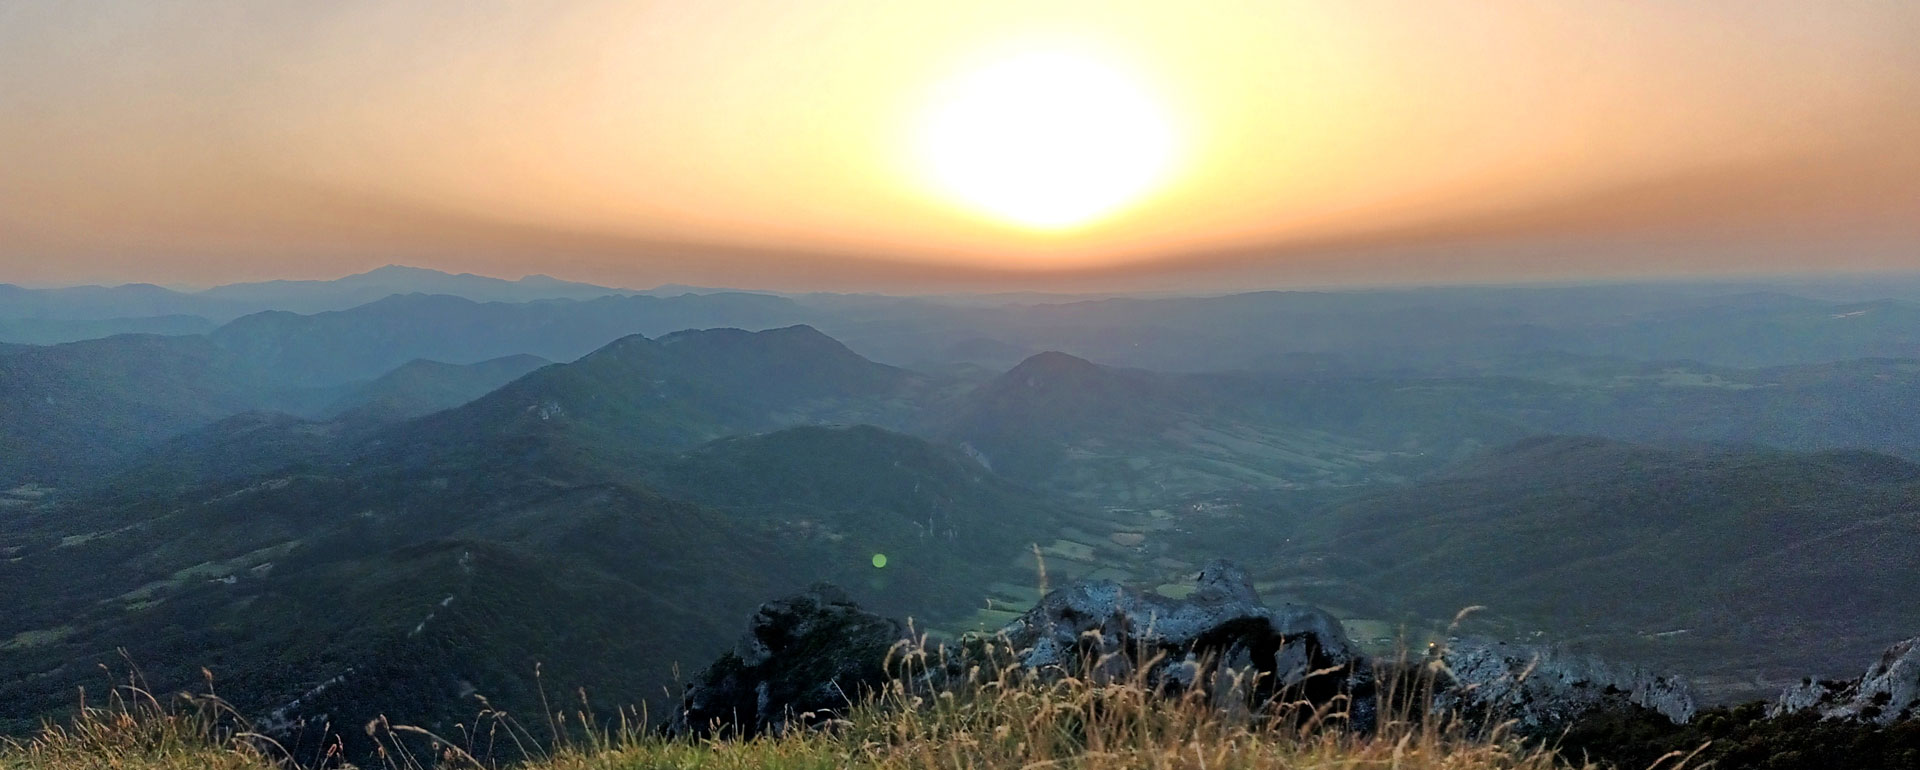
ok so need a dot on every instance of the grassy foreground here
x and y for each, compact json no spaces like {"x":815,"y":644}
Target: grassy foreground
{"x":1000,"y":723}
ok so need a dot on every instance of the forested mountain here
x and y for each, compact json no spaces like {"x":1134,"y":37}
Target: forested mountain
{"x":80,"y":409}
{"x":420,"y":387}
{"x":417,"y":562}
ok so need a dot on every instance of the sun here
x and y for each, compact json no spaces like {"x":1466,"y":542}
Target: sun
{"x":1046,"y":140}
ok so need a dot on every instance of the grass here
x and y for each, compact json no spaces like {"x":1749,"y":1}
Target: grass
{"x":1006,"y":720}
{"x":134,"y":730}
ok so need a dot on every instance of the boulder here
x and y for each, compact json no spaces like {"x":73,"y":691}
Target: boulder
{"x":1888,"y":692}
{"x":1540,"y":689}
{"x":1221,"y":638}
{"x":807,"y":657}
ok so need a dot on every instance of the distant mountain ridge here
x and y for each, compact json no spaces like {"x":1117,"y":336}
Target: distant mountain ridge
{"x":1455,"y":330}
{"x":336,"y":347}
{"x":96,"y":303}
{"x":126,"y":302}
{"x":68,"y":412}
{"x":1313,"y":420}
{"x":44,"y":331}
{"x":361,"y":288}
{"x":140,"y":390}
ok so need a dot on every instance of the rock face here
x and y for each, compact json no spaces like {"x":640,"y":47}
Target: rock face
{"x":1889,"y":692}
{"x":1539,"y":689}
{"x":804,"y":658}
{"x":1221,"y":638}
{"x":809,"y":657}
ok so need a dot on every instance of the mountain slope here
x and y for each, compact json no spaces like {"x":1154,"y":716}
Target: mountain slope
{"x":946,"y":525}
{"x":1752,"y":559}
{"x":421,"y":387}
{"x":40,"y":331}
{"x":73,"y":412}
{"x":1149,"y":437}
{"x":68,"y":412}
{"x":1122,"y":435}
{"x":1023,"y":420}
{"x":638,"y":395}
{"x":414,"y":589}
{"x":451,"y":553}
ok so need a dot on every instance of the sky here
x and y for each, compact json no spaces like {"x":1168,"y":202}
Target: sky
{"x":783,"y":145}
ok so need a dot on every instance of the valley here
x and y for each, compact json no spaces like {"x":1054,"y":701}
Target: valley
{"x":422,"y":499}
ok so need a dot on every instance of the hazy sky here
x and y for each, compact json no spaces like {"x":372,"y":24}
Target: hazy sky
{"x":771,"y":144}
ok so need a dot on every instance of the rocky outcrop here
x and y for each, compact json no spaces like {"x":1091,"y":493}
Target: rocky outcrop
{"x":1889,"y":692}
{"x":804,"y":659}
{"x":1221,"y":638}
{"x":1538,"y":689}
{"x":811,"y":656}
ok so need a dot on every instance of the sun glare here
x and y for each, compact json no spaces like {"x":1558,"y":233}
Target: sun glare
{"x":1046,"y":140}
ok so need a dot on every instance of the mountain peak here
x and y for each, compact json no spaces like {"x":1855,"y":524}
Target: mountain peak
{"x":397,"y":271}
{"x":799,"y":334}
{"x":1053,"y":367}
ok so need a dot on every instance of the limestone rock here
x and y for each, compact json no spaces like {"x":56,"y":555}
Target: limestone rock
{"x":1888,"y":692}
{"x":1540,"y":689}
{"x":1221,"y":637}
{"x":806,"y":657}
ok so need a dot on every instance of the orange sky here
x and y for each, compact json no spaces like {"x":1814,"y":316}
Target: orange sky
{"x":766,"y":144}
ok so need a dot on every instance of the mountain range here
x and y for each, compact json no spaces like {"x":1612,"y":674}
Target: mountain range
{"x":391,"y":507}
{"x":226,"y":302}
{"x":1463,"y":330}
{"x":470,"y":535}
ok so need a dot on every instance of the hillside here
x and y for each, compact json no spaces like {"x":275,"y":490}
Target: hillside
{"x":42,"y":331}
{"x":639,"y":395}
{"x":242,"y":446}
{"x":418,"y":587}
{"x":1723,"y":562}
{"x":68,"y":412}
{"x":455,"y":551}
{"x":422,"y":387}
{"x":76,"y":411}
{"x":1131,"y":436}
{"x":1124,"y":436}
{"x":947,"y":526}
